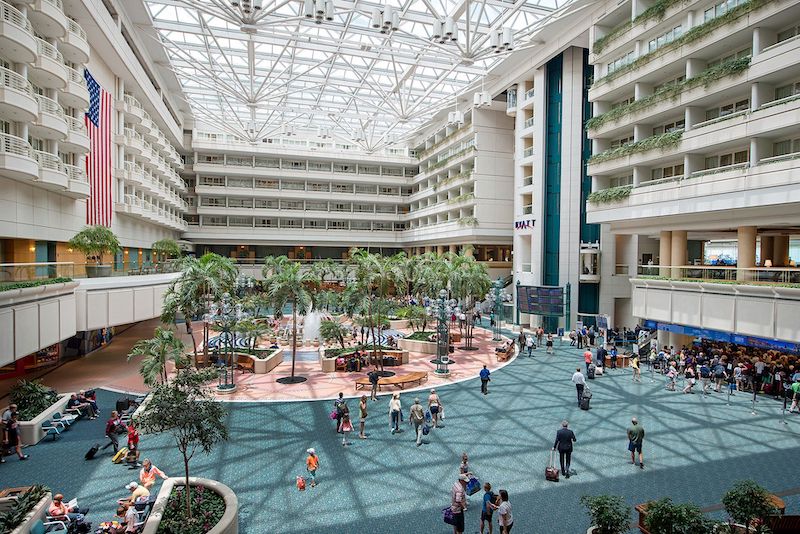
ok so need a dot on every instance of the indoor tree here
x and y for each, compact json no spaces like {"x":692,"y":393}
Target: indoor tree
{"x":286,"y":284}
{"x":748,"y":504}
{"x":165,"y":249}
{"x":185,"y":408}
{"x":469,"y":281}
{"x":609,"y":513}
{"x":157,"y":351}
{"x":202,"y":281}
{"x":331,"y":331}
{"x":93,"y":242}
{"x":254,"y":331}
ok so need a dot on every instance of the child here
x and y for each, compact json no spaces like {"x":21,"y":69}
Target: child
{"x":132,"y":457}
{"x":133,"y":436}
{"x":312,"y":464}
{"x":549,"y":343}
{"x":486,"y":512}
{"x":346,"y":427}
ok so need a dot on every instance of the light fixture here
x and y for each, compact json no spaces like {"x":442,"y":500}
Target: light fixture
{"x":444,"y":31}
{"x":481,"y":99}
{"x":502,"y":40}
{"x":385,"y":19}
{"x":319,"y":10}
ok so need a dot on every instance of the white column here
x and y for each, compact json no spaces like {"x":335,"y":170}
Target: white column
{"x":746,"y":257}
{"x":665,"y":252}
{"x":679,"y":251}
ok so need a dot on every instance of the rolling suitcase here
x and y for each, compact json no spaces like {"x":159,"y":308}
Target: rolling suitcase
{"x":91,"y":452}
{"x":584,"y":403}
{"x":551,"y":471}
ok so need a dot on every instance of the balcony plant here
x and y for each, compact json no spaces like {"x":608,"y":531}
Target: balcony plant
{"x":612,"y":194}
{"x":609,"y":513}
{"x":661,"y":141}
{"x":94,"y":241}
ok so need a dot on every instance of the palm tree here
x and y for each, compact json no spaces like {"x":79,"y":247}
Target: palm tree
{"x":288,"y":284}
{"x":254,"y":331}
{"x":163,"y":347}
{"x":469,"y":281}
{"x":333,"y":331}
{"x":202,"y":281}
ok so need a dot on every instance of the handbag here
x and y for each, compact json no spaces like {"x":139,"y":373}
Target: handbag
{"x":334,"y":415}
{"x":447,"y":516}
{"x":473,"y":486}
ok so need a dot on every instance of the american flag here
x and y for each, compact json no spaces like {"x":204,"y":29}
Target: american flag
{"x":98,"y":160}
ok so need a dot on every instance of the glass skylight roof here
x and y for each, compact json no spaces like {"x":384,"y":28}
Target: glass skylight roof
{"x":259,"y":72}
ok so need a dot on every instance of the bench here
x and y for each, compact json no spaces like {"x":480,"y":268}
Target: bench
{"x":397,"y":380}
{"x":245,"y":363}
{"x":504,"y":355}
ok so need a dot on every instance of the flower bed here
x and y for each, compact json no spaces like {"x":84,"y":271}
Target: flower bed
{"x":419,"y":336}
{"x":215,"y":509}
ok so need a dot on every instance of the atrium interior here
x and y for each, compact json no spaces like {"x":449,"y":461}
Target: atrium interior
{"x":283,"y":239}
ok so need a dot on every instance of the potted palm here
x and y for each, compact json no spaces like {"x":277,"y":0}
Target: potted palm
{"x":94,"y":241}
{"x":609,"y":513}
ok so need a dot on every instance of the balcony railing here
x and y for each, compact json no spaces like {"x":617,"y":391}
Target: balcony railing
{"x":11,"y":144}
{"x":76,"y":173}
{"x":527,"y":152}
{"x":74,"y":27}
{"x":15,"y":81}
{"x":76,"y":125}
{"x":528,"y":122}
{"x":723,"y":274}
{"x":12,"y":15}
{"x":49,"y":106}
{"x":24,"y":272}
{"x":47,"y":50}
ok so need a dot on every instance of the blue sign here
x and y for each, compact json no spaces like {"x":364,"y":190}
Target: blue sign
{"x":725,"y":337}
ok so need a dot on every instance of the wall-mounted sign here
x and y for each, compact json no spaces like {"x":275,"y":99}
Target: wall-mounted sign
{"x":523,"y":225}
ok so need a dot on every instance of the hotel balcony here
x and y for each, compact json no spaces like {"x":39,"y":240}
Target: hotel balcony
{"x":75,"y":45}
{"x":17,"y":42}
{"x":51,"y":122}
{"x":48,"y":69}
{"x":17,"y":160}
{"x":48,"y":18}
{"x":75,"y":94}
{"x":52,"y":174}
{"x":17,"y":101}
{"x":78,"y":185}
{"x":77,"y":140}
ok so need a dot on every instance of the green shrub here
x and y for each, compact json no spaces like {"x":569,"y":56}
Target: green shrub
{"x":32,"y":398}
{"x":665,"y":517}
{"x":208,"y":507}
{"x":662,"y":141}
{"x":94,"y":241}
{"x":746,"y":502}
{"x":8,"y":286}
{"x":419,"y":336}
{"x":335,"y":353}
{"x":609,"y":513}
{"x":468,"y":221}
{"x":612,"y":194}
{"x":12,"y":518}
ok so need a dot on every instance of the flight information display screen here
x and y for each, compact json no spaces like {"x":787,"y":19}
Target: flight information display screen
{"x":539,"y":300}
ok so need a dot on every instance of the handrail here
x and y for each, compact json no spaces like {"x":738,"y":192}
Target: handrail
{"x":49,"y":106}
{"x":15,"y":17}
{"x":56,"y":3}
{"x":11,"y":144}
{"x":76,"y":77}
{"x":16,"y":81}
{"x":74,"y":27}
{"x":46,"y":49}
{"x":76,"y":125}
{"x":131,"y":101}
{"x":74,"y":172}
{"x":714,"y":273}
{"x":48,"y":160}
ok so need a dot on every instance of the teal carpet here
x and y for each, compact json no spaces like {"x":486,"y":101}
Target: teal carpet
{"x":695,"y":448}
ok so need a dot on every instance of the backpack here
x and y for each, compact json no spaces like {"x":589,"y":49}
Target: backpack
{"x":705,"y":372}
{"x":417,"y":416}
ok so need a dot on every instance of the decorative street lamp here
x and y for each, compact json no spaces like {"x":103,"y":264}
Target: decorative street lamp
{"x":498,"y":297}
{"x":244,"y":284}
{"x":442,"y":308}
{"x":224,"y":316}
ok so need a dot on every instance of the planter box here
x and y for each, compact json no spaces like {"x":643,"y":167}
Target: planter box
{"x":398,"y":324}
{"x":425,"y":347}
{"x":329,"y":364}
{"x":31,"y":431}
{"x":229,"y":524}
{"x":38,"y":512}
{"x":263,"y":366}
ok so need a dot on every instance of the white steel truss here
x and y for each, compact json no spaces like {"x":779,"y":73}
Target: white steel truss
{"x":253,"y":71}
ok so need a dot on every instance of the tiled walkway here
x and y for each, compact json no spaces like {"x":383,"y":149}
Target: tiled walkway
{"x":695,"y":448}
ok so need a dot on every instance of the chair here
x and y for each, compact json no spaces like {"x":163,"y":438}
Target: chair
{"x":66,"y":419}
{"x":49,"y":527}
{"x":51,"y":429}
{"x":340,"y":364}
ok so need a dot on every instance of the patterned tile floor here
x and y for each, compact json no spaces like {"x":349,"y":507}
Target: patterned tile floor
{"x":696,"y":446}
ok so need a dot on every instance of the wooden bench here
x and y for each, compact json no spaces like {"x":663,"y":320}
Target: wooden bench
{"x":245,"y":363}
{"x":504,"y":355}
{"x":398,"y":380}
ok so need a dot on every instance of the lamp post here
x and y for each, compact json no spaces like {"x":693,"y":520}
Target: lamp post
{"x":244,"y":284}
{"x":497,"y":297}
{"x":441,"y":308}
{"x":224,"y":316}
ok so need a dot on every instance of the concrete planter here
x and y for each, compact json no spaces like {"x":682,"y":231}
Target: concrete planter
{"x":398,"y":324}
{"x":229,"y":524}
{"x":38,"y":512}
{"x":98,"y":271}
{"x":263,"y":366}
{"x":329,"y":364}
{"x":31,"y":431}
{"x":425,"y":347}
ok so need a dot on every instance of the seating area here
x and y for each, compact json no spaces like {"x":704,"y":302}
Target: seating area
{"x":401,"y":381}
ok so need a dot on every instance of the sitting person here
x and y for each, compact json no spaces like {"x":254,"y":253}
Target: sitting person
{"x":89,"y":396}
{"x":352,"y":363}
{"x":137,"y":492}
{"x":147,"y":476}
{"x":125,"y":521}
{"x":505,"y":346}
{"x":62,"y":512}
{"x":84,"y":408}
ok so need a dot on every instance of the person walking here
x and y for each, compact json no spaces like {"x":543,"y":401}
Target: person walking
{"x":614,"y":353}
{"x":111,"y":431}
{"x":362,"y":416}
{"x":339,"y":405}
{"x":458,"y":503}
{"x":705,"y":377}
{"x":549,"y":343}
{"x":635,"y":439}
{"x":587,"y":358}
{"x":563,"y":444}
{"x":373,"y":380}
{"x":435,"y":407}
{"x":11,"y":437}
{"x":795,"y":393}
{"x":347,"y":426}
{"x":417,"y":417}
{"x":521,"y":340}
{"x":529,"y":345}
{"x":312,"y":464}
{"x":464,"y":467}
{"x":637,"y":372}
{"x":539,"y":335}
{"x":689,"y":376}
{"x":580,"y":382}
{"x":489,"y":499}
{"x":394,"y":413}
{"x":484,"y":374}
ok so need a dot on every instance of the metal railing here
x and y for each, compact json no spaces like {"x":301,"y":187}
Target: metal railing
{"x":131,"y":101}
{"x":76,"y":125}
{"x":14,"y":16}
{"x":15,"y":81}
{"x":723,"y":273}
{"x":23,"y":272}
{"x":528,"y":122}
{"x":529,"y":93}
{"x":48,"y":161}
{"x":55,"y":3}
{"x":49,"y":106}
{"x":47,"y":50}
{"x":528,"y":180}
{"x":76,"y":77}
{"x":527,"y":152}
{"x":621,"y":269}
{"x":76,"y":173}
{"x":11,"y":144}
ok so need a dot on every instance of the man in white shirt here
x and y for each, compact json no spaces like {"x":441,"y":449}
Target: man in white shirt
{"x":580,"y":382}
{"x":458,"y":503}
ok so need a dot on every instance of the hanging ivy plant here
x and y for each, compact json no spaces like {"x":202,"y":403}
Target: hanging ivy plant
{"x":468,"y":221}
{"x":670,"y":91}
{"x":612,"y":194}
{"x":698,"y":32}
{"x":657,"y":141}
{"x":461,"y":198}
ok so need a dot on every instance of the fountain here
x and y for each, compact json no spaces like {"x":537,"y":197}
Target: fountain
{"x":311,"y":323}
